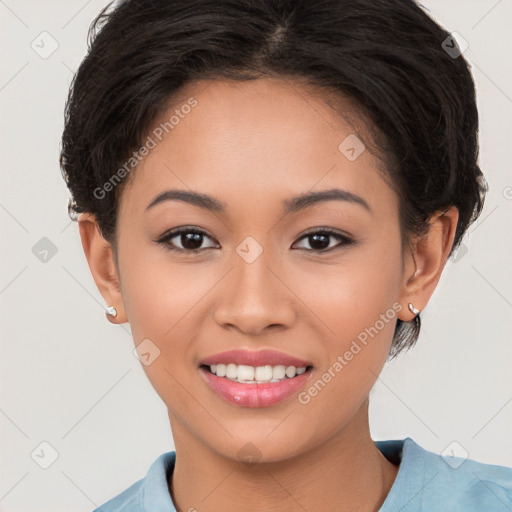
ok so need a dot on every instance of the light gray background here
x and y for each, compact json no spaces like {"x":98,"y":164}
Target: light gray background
{"x":70,"y":378}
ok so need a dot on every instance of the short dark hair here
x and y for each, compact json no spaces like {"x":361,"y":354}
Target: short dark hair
{"x":387,"y":57}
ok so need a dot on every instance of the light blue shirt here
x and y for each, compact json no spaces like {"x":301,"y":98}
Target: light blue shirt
{"x":425,"y":482}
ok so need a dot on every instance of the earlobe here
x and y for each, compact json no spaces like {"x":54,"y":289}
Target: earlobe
{"x":426,"y":261}
{"x":100,"y":258}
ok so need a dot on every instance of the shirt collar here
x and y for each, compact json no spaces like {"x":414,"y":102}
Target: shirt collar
{"x":155,"y":492}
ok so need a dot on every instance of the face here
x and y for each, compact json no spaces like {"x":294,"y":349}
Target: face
{"x":320,"y":281}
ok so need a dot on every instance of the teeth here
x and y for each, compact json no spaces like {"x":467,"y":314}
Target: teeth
{"x":279,"y":371}
{"x":291,"y":371}
{"x":231,"y":371}
{"x":220,"y":370}
{"x":255,"y":375}
{"x":263,"y":373}
{"x":245,"y":372}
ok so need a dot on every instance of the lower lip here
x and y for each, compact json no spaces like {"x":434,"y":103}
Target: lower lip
{"x":255,"y":395}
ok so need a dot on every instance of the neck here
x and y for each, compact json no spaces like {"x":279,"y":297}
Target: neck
{"x":347,"y":472}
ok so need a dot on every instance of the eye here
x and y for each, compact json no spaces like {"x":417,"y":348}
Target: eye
{"x":191,"y":240}
{"x":320,"y":239}
{"x":187,"y":240}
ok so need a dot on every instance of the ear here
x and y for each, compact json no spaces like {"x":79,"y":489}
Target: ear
{"x":100,"y":257}
{"x":425,"y":261}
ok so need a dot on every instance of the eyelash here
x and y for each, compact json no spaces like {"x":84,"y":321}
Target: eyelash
{"x":166,"y":238}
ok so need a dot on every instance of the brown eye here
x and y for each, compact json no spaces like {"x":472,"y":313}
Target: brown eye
{"x":185,"y":240}
{"x":321,"y":240}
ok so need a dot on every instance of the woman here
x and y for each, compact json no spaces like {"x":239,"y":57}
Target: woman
{"x":268,"y":192}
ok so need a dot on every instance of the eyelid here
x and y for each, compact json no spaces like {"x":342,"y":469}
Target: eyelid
{"x":330,"y":231}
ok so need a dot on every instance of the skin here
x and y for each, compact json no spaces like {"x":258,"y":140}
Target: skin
{"x":253,"y":145}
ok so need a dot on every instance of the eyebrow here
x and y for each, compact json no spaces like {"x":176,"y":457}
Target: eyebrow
{"x":292,"y":205}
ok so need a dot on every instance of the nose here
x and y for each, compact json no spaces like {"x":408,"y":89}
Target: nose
{"x":254,"y":298}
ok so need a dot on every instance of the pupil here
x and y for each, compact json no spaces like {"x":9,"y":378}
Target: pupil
{"x":324,"y":241}
{"x":191,"y":240}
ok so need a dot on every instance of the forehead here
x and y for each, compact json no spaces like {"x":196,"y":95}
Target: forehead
{"x":270,"y":137}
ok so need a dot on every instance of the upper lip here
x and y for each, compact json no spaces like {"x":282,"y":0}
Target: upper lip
{"x":255,"y":358}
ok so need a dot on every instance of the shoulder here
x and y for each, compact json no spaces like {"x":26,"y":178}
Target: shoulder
{"x":147,"y":494}
{"x":429,"y":481}
{"x":126,"y":501}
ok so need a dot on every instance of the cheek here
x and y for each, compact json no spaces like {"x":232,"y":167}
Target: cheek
{"x":156,"y":293}
{"x":351,"y":296}
{"x":160,"y":299}
{"x":358,"y":304}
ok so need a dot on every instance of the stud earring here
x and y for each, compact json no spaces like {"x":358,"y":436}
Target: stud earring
{"x":413,"y":310}
{"x":111,"y":311}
